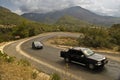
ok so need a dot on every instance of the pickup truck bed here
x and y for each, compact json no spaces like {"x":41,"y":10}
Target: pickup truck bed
{"x":63,"y":54}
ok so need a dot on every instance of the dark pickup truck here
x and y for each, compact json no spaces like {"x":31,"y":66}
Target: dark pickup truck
{"x":84,"y":56}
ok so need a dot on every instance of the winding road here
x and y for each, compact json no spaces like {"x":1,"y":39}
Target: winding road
{"x":48,"y":59}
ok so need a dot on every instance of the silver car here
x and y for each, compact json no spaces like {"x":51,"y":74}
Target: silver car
{"x":37,"y":45}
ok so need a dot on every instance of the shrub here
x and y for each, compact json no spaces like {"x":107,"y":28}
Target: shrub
{"x":1,"y":54}
{"x":34,"y":75}
{"x":95,"y":37}
{"x":9,"y":59}
{"x":55,"y":76}
{"x":114,"y":33}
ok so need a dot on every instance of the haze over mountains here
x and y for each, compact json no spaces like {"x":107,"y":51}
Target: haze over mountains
{"x":76,"y":12}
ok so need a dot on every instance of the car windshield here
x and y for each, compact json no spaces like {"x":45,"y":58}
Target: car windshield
{"x":87,"y":52}
{"x":38,"y":43}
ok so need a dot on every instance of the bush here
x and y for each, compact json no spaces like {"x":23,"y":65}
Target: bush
{"x":55,"y":77}
{"x":1,"y":54}
{"x":95,"y":37}
{"x":114,"y":32}
{"x":34,"y":75}
{"x":9,"y":59}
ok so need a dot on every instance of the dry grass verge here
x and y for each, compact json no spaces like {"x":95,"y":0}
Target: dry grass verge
{"x":62,"y":41}
{"x":13,"y":69}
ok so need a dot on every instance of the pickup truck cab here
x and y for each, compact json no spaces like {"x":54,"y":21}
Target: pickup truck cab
{"x":84,"y":56}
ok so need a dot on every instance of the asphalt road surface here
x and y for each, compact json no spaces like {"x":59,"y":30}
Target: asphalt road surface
{"x":51,"y":56}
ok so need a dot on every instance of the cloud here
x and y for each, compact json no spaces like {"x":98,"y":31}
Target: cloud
{"x":42,"y":5}
{"x":104,"y":7}
{"x":18,"y":11}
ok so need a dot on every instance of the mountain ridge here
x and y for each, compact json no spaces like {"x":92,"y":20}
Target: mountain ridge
{"x":77,"y":12}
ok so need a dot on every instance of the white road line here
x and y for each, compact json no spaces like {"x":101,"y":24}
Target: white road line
{"x":7,"y":43}
{"x":18,"y":48}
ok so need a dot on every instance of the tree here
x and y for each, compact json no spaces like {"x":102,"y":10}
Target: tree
{"x":22,"y":30}
{"x":114,"y":32}
{"x":95,"y":37}
{"x":31,"y":32}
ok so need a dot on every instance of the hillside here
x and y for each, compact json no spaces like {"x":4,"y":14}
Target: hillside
{"x":72,"y":22}
{"x":76,"y":12}
{"x":9,"y":18}
{"x":12,"y":25}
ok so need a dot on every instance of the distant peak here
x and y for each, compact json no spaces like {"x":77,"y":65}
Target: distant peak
{"x":78,"y":7}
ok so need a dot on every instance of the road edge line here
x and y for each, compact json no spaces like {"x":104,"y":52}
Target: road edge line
{"x":18,"y":48}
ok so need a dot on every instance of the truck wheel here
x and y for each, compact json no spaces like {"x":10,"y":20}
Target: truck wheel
{"x":91,"y":66}
{"x":67,"y":60}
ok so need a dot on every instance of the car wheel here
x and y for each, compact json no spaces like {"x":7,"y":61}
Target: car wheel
{"x":67,"y":60}
{"x":91,"y":66}
{"x":33,"y":47}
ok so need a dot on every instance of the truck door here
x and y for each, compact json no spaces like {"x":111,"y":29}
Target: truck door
{"x":75,"y":56}
{"x":82,"y":58}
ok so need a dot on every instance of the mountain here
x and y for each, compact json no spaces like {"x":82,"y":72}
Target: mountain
{"x":9,"y":18}
{"x":77,"y":12}
{"x":71,"y":22}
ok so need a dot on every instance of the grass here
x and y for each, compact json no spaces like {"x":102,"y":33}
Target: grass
{"x":13,"y":69}
{"x":23,"y":62}
{"x":68,"y":41}
{"x":55,"y":76}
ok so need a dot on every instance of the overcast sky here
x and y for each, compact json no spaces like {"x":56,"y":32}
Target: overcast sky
{"x":104,"y":7}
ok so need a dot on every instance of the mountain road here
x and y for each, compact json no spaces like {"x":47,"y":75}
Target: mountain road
{"x":49,"y":61}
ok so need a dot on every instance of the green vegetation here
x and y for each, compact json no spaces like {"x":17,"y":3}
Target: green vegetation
{"x":14,"y":69}
{"x":34,"y":75}
{"x":71,"y":24}
{"x":98,"y":38}
{"x":10,"y":19}
{"x":115,"y":34}
{"x":55,"y":77}
{"x":23,"y":62}
{"x":94,"y":36}
{"x":101,"y":38}
{"x":70,"y":21}
{"x":13,"y":26}
{"x":6,"y":58}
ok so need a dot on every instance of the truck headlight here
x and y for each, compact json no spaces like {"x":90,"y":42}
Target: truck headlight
{"x":99,"y":63}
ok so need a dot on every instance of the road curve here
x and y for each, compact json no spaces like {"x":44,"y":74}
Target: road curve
{"x":49,"y":61}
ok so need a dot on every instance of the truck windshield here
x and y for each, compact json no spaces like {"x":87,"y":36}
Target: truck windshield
{"x":87,"y":52}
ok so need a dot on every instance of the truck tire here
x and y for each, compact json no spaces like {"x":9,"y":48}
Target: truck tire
{"x":67,"y":60}
{"x":91,"y":66}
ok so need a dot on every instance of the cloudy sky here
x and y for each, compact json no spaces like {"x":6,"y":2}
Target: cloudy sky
{"x":104,"y":7}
